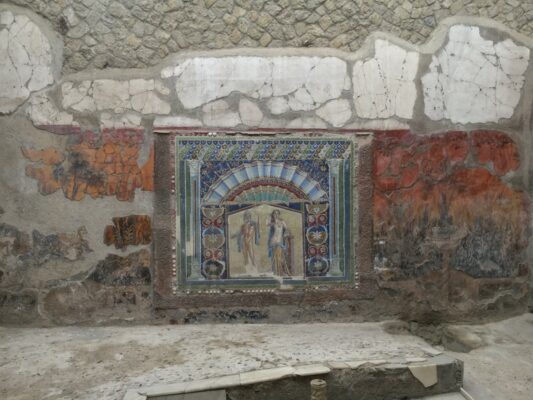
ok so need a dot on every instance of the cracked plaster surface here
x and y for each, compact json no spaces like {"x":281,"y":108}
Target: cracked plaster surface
{"x":384,"y":85}
{"x":141,"y":95}
{"x":174,"y":121}
{"x":25,"y":60}
{"x":470,"y":80}
{"x":278,"y":105}
{"x":336,"y":112}
{"x":126,"y":120}
{"x":218,"y":113}
{"x":42,"y":110}
{"x":307,"y":123}
{"x":78,"y":97}
{"x":250,"y":113}
{"x":307,"y":82}
{"x":473,"y":79}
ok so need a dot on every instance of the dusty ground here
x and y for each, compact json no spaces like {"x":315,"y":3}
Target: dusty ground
{"x":502,"y":368}
{"x":101,"y":363}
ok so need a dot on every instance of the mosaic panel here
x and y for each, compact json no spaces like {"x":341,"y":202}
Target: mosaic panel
{"x":264,"y":211}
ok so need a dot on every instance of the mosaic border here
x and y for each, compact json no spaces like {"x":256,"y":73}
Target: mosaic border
{"x":167,"y":294}
{"x":200,"y":151}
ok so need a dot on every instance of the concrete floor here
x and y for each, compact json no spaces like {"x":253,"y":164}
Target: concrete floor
{"x":102,"y":363}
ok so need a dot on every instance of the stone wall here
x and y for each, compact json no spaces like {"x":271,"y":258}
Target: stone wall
{"x":140,"y":33}
{"x":447,"y":178}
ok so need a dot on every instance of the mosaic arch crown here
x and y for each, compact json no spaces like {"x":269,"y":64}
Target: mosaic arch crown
{"x":264,"y":211}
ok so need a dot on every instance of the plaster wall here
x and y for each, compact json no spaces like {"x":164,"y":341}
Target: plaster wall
{"x":447,"y":173}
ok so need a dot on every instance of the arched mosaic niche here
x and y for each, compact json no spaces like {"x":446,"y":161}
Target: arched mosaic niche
{"x":253,"y":213}
{"x":263,"y":211}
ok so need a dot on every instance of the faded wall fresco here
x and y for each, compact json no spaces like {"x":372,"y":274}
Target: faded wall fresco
{"x":16,"y":246}
{"x":93,"y":164}
{"x":443,"y":201}
{"x":114,"y":270}
{"x":115,"y":287}
{"x":126,"y":231}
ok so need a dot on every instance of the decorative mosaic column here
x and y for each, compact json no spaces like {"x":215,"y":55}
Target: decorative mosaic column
{"x":196,"y":234}
{"x":334,"y":165}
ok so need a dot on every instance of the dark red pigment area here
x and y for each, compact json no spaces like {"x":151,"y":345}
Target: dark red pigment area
{"x":440,"y":201}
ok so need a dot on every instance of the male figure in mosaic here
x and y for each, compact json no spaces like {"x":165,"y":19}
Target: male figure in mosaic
{"x":248,"y":238}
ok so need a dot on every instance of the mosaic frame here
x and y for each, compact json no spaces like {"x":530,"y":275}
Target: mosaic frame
{"x":306,"y":179}
{"x":167,"y":292}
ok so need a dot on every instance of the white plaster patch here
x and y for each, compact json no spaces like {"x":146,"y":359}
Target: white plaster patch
{"x":474,"y":80}
{"x":336,"y":112}
{"x":25,"y":60}
{"x":378,"y":124}
{"x":307,"y":123}
{"x":250,"y":113}
{"x":289,"y":74}
{"x":176,"y":70}
{"x":278,"y":105}
{"x":43,"y":111}
{"x":78,"y":97}
{"x":274,"y":123}
{"x":141,"y":95}
{"x":201,"y":80}
{"x":219,"y":114}
{"x":149,"y":103}
{"x":310,"y":80}
{"x":127,"y":120}
{"x":161,"y":88}
{"x":176,"y":121}
{"x":384,"y":85}
{"x":302,"y":100}
{"x":111,"y":94}
{"x":137,"y":86}
{"x":326,"y":79}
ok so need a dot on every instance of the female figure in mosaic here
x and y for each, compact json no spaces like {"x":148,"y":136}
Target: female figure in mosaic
{"x":279,"y":245}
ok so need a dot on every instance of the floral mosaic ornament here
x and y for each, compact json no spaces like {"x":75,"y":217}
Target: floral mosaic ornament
{"x":264,"y":212}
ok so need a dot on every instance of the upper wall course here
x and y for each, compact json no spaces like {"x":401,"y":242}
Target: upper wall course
{"x":140,"y":33}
